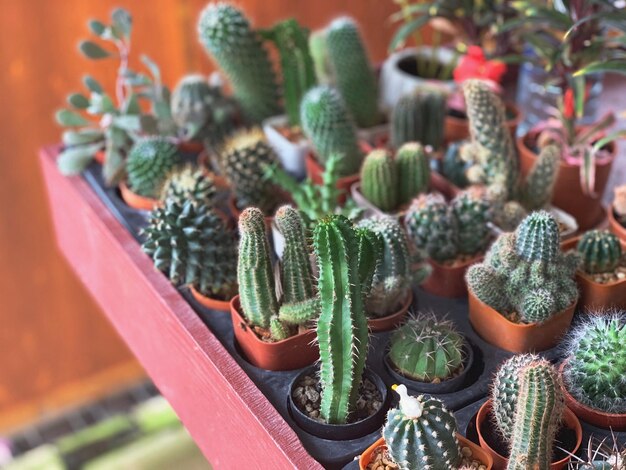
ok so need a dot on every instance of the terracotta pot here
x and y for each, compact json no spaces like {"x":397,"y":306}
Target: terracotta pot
{"x":517,"y":337}
{"x":209,"y":302}
{"x":135,"y":200}
{"x":601,"y":419}
{"x":500,"y":462}
{"x":617,"y":228}
{"x":389,"y":322}
{"x":440,"y":184}
{"x":448,"y":280}
{"x":457,"y":128}
{"x":477,"y":453}
{"x":315,"y":171}
{"x":568,"y":194}
{"x":292,"y":353}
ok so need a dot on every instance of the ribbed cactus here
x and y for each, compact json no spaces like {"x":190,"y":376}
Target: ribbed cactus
{"x":413,"y":166}
{"x":536,"y":193}
{"x":188,"y":183}
{"x":342,"y":326}
{"x":353,"y":74}
{"x":226,"y":34}
{"x":538,"y":238}
{"x":192,"y":245}
{"x":427,"y":349}
{"x":148,"y":164}
{"x":601,"y":251}
{"x":419,"y":117}
{"x":379,"y":180}
{"x":472,"y":213}
{"x":328,"y":124}
{"x":596,"y":366}
{"x":421,"y":434}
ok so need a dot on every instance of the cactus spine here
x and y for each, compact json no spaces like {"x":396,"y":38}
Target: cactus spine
{"x":379,"y":180}
{"x":601,"y":251}
{"x":419,"y":117}
{"x":537,"y":191}
{"x":149,"y":162}
{"x":413,"y":171}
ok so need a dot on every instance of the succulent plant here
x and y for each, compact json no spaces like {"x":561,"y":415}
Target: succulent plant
{"x":419,"y":117}
{"x":188,"y":183}
{"x":413,"y":166}
{"x":421,"y":433}
{"x":192,"y":245}
{"x":427,"y":349}
{"x":601,"y":251}
{"x":596,"y":365}
{"x":149,"y":162}
{"x":379,"y":180}
{"x":226,"y":34}
{"x":328,"y":124}
{"x":536,"y":193}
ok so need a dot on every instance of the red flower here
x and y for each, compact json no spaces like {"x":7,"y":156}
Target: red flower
{"x":569,"y":107}
{"x":475,"y":65}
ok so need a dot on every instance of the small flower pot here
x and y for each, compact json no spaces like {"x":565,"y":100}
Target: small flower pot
{"x":135,"y":200}
{"x":292,"y":155}
{"x":339,"y":432}
{"x":517,"y":337}
{"x":292,"y":353}
{"x":616,"y":227}
{"x":449,"y":280}
{"x":484,"y":420}
{"x":210,"y":302}
{"x":477,"y":453}
{"x":315,"y":171}
{"x":457,"y":128}
{"x":389,"y":322}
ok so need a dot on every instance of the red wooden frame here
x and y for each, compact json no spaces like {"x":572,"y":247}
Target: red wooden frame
{"x":228,"y":417}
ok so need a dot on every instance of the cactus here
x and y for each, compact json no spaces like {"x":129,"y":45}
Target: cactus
{"x":379,"y":180}
{"x":327,"y":123}
{"x":352,"y":71}
{"x":537,"y":191}
{"x":427,"y":349}
{"x":413,"y":171}
{"x":472,"y":213}
{"x":421,"y":434}
{"x":342,"y":326}
{"x":419,"y":117}
{"x":188,"y":183}
{"x":226,"y":34}
{"x":191,"y":245}
{"x":601,"y":251}
{"x":149,"y":162}
{"x":594,"y":373}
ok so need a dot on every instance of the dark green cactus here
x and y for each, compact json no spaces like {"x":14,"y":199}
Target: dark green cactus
{"x":188,"y":183}
{"x":537,"y":190}
{"x":421,"y":433}
{"x":538,"y":238}
{"x":379,"y":180}
{"x":601,"y":251}
{"x":149,"y":162}
{"x":328,"y":124}
{"x":413,"y":171}
{"x":419,"y":117}
{"x":226,"y":34}
{"x":192,"y":245}
{"x":353,"y":74}
{"x":472,"y":213}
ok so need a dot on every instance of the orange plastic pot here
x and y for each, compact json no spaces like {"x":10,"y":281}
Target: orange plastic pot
{"x":292,"y":353}
{"x":210,"y":302}
{"x":477,"y":453}
{"x":389,"y":322}
{"x":448,"y":281}
{"x":517,"y":337}
{"x":499,"y":461}
{"x":457,"y":128}
{"x":617,"y":228}
{"x":135,"y":200}
{"x":315,"y":171}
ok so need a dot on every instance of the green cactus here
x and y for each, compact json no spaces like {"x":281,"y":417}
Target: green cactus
{"x":472,"y":213}
{"x":413,"y":171}
{"x":149,"y":162}
{"x":352,"y":71}
{"x":188,"y":183}
{"x":421,"y":433}
{"x":537,"y":190}
{"x":427,"y":349}
{"x":379,"y":180}
{"x":601,"y":251}
{"x":596,"y":366}
{"x":327,"y":123}
{"x":226,"y":34}
{"x":538,"y":238}
{"x":192,"y":245}
{"x":319,"y":54}
{"x":419,"y":117}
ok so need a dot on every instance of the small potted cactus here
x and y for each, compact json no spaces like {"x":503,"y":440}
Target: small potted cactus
{"x":453,"y":236}
{"x":522,"y":297}
{"x":421,"y":433}
{"x":525,"y":425}
{"x":594,"y":369}
{"x":617,"y":213}
{"x":274,"y":333}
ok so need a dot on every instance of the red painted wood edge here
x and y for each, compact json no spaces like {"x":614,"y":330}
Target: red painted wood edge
{"x":226,"y":414}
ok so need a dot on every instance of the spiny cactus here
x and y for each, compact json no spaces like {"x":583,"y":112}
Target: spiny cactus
{"x":596,"y":367}
{"x":413,"y":171}
{"x":427,"y":349}
{"x":352,"y":71}
{"x":601,"y":251}
{"x":192,"y":245}
{"x":419,"y":117}
{"x":421,"y":434}
{"x":149,"y":162}
{"x":472,"y":213}
{"x":188,"y":183}
{"x":379,"y":180}
{"x":537,"y":190}
{"x":226,"y":34}
{"x":328,"y":124}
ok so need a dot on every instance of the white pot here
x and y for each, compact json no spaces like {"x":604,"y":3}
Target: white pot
{"x":291,"y":154}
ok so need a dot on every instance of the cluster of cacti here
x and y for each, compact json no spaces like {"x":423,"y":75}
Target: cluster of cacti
{"x":526,"y":273}
{"x":188,"y":183}
{"x":601,"y":251}
{"x":389,"y":182}
{"x":445,"y":231}
{"x":427,"y":349}
{"x":421,"y":434}
{"x":596,"y":366}
{"x":227,"y":36}
{"x":149,"y":162}
{"x":192,"y":245}
{"x":202,"y":112}
{"x":619,"y":204}
{"x":330,"y":128}
{"x":419,"y":117}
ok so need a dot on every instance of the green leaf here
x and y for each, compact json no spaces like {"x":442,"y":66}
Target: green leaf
{"x":84,"y":136}
{"x":614,"y":66}
{"x":65,"y":117}
{"x":96,"y":27}
{"x":92,"y":84}
{"x":78,"y":100}
{"x":92,"y":50}
{"x":122,"y":21}
{"x":406,"y":30}
{"x":73,"y":160}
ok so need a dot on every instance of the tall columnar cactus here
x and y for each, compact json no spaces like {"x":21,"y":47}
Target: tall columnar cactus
{"x":601,"y":251}
{"x":413,"y":171}
{"x":536,"y":193}
{"x":328,"y":124}
{"x":427,"y":349}
{"x":192,"y":245}
{"x":419,"y":117}
{"x":379,"y":180}
{"x":149,"y":162}
{"x":596,"y":366}
{"x":472,"y":213}
{"x":421,"y":433}
{"x":226,"y":34}
{"x":353,"y":73}
{"x":342,"y":326}
{"x":188,"y":183}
